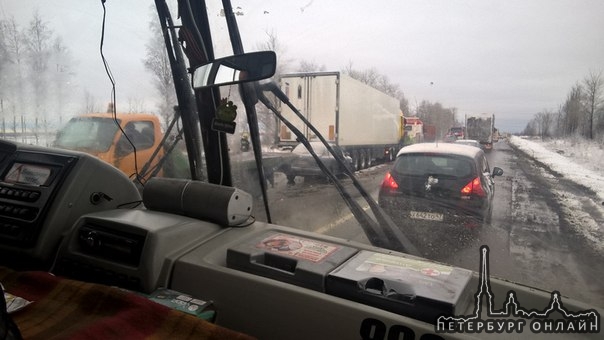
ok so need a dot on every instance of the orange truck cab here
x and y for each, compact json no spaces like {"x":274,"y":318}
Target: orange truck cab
{"x":99,"y":135}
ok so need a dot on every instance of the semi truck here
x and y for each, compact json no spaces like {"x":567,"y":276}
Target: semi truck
{"x":364,"y":122}
{"x":414,"y":130}
{"x":481,"y":128}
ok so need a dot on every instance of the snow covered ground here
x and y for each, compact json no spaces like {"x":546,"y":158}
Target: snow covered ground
{"x":581,"y":162}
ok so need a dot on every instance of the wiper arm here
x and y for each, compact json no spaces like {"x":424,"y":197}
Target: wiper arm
{"x":371,"y":228}
{"x":388,"y":234}
{"x":147,"y":166}
{"x":248,"y":95}
{"x":186,"y":100}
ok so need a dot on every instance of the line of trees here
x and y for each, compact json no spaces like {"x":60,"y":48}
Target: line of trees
{"x":35,"y":73}
{"x":157,"y":63}
{"x":581,"y":114}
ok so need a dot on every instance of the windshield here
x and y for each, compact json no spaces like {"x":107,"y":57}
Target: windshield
{"x":421,"y":164}
{"x":317,"y":147}
{"x":90,"y":133}
{"x":356,"y":70}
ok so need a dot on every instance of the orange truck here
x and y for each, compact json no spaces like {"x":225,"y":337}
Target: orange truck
{"x":98,"y":134}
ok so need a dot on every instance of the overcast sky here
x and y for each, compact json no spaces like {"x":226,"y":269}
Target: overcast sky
{"x":511,"y":58}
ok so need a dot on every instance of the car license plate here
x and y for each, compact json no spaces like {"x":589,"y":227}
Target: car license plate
{"x":422,"y":215}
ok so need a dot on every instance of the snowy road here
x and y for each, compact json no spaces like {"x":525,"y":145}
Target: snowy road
{"x":546,"y":228}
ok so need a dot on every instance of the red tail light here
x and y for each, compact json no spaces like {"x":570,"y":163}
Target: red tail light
{"x":389,"y":183}
{"x":473,"y":188}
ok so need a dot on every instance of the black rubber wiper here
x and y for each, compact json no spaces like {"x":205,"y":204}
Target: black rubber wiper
{"x":248,"y":96}
{"x":382,"y":234}
{"x":184,"y":95}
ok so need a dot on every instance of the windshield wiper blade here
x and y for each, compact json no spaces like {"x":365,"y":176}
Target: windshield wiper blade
{"x":385,"y":231}
{"x":248,"y":96}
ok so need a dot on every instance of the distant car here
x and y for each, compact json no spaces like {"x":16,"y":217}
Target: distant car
{"x":450,"y":138}
{"x":435,"y":184}
{"x":470,"y":142}
{"x":459,"y":131}
{"x":305,"y":165}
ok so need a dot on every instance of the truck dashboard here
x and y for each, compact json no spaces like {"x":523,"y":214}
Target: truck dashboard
{"x":207,"y":229}
{"x":264,"y":280}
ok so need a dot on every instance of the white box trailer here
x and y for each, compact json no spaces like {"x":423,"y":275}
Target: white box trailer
{"x":363,"y":121}
{"x":481,"y":128}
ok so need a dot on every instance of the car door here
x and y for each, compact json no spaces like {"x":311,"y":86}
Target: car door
{"x":141,"y":134}
{"x":486,"y":176}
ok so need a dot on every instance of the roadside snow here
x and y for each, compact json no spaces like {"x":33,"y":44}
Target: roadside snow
{"x":582,"y":163}
{"x":579,"y":162}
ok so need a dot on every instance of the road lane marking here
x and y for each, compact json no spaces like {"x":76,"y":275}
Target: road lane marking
{"x":337,"y":222}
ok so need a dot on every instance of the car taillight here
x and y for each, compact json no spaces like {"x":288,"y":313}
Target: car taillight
{"x":389,"y":183}
{"x":473,"y":188}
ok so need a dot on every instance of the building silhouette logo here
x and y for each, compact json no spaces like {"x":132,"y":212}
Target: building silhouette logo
{"x":512,"y":318}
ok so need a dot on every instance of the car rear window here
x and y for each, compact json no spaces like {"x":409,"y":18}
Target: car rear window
{"x":429,"y":164}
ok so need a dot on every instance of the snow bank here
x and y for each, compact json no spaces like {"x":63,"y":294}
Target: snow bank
{"x":568,"y":162}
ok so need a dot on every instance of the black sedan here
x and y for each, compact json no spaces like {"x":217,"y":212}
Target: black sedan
{"x":440,"y":184}
{"x":304,"y":164}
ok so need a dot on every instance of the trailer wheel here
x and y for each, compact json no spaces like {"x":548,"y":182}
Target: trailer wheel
{"x":370,"y":161}
{"x":364,"y":160}
{"x":356,"y":160}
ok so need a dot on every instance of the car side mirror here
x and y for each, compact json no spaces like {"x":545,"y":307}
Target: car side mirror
{"x":497,"y":171}
{"x":235,"y":69}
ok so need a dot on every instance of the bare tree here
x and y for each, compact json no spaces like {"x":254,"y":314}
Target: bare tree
{"x":12,"y":77}
{"x":404,"y":105}
{"x":310,"y":66}
{"x":273,"y":43}
{"x":267,"y":121}
{"x":4,"y":56}
{"x":437,"y":115}
{"x":158,"y":64}
{"x":593,"y":87}
{"x":136,"y":105}
{"x":37,"y":38}
{"x":90,"y":103}
{"x":572,"y":110}
{"x":60,"y":74}
{"x":4,"y":61}
{"x":380,"y":82}
{"x":530,"y":129}
{"x":558,"y":123}
{"x":544,"y":121}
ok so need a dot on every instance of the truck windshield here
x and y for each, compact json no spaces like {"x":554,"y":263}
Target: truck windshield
{"x":92,"y":134}
{"x":357,"y":70}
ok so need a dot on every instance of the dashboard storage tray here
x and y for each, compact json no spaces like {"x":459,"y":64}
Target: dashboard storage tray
{"x":289,"y":258}
{"x":416,"y":288}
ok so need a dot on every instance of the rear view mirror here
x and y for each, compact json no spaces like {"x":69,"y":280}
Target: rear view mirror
{"x":497,"y":171}
{"x":235,"y":69}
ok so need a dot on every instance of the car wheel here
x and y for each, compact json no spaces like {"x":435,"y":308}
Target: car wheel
{"x":291,"y":179}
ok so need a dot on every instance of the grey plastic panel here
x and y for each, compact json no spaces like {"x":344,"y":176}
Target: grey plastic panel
{"x":164,"y":238}
{"x":290,"y":258}
{"x":75,"y":183}
{"x":272,"y":309}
